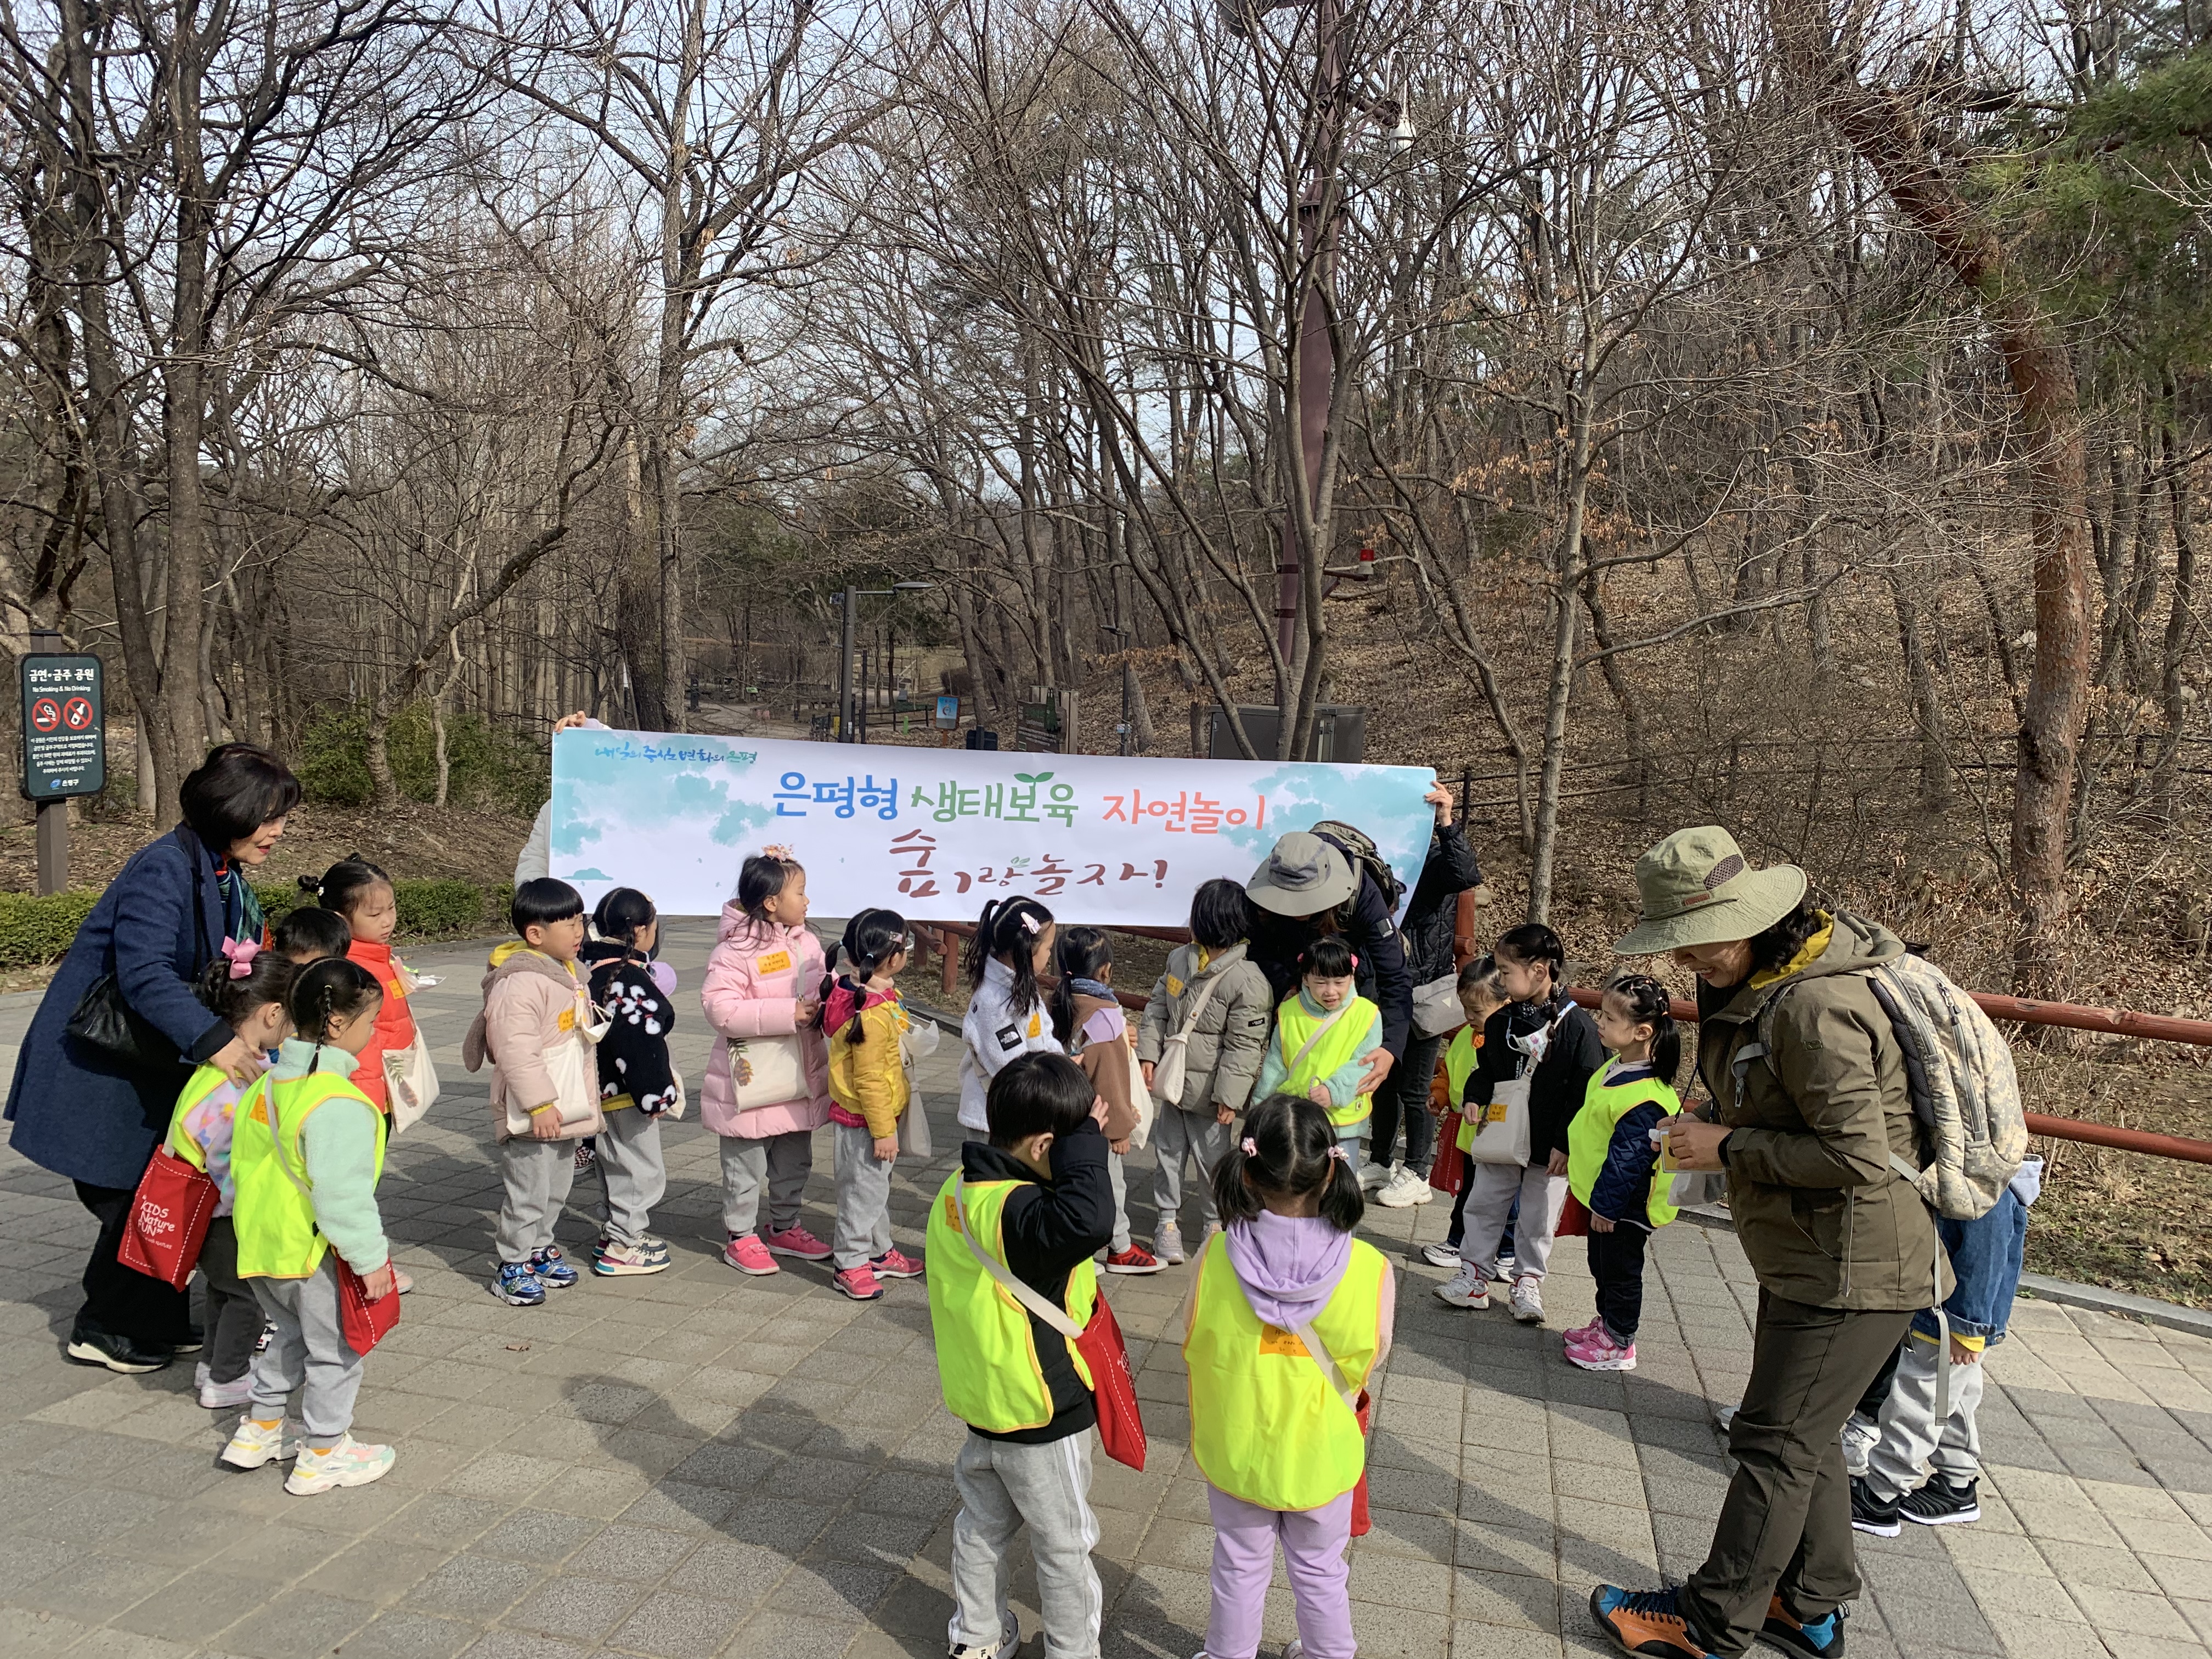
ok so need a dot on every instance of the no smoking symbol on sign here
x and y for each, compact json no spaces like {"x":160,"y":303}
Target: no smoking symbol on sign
{"x":78,"y":713}
{"x":47,"y":713}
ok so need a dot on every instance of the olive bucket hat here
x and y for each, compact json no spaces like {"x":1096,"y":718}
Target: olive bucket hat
{"x":1303,"y":876}
{"x":1698,"y":889}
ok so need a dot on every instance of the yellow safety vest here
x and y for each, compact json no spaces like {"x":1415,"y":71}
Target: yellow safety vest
{"x":1591,"y":1133}
{"x":986,"y":1356}
{"x":1338,"y":1047}
{"x":274,"y":1216}
{"x":1266,"y":1424}
{"x":197,"y":1087}
{"x":1465,"y":1048}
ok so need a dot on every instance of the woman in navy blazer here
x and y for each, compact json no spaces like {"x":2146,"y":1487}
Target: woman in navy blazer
{"x":79,"y":1113}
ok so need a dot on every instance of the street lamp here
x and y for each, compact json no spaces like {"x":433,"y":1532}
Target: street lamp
{"x":849,"y":602}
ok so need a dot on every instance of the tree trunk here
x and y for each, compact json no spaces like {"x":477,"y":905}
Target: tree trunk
{"x":184,"y":394}
{"x":1927,"y":702}
{"x":1567,"y":616}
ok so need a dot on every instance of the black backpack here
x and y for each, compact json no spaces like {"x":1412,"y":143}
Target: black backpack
{"x":1358,"y":846}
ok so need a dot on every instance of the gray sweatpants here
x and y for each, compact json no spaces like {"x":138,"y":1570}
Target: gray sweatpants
{"x":864,"y":1199}
{"x":309,"y":1348}
{"x":1176,"y":1135}
{"x":1119,"y":1177}
{"x":1913,"y":1444}
{"x":1002,"y":1486}
{"x":1491,"y":1188}
{"x":783,"y":1163}
{"x":538,"y":1174}
{"x":632,"y":1172}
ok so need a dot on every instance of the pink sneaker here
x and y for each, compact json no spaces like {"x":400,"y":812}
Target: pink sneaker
{"x":795,"y":1240}
{"x":1582,"y":1332}
{"x":748,"y":1255}
{"x":860,"y":1283}
{"x":895,"y":1263}
{"x":1602,"y":1353}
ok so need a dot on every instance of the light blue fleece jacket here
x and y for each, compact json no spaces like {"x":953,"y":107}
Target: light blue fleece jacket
{"x":338,"y":1144}
{"x":1343,"y":1082}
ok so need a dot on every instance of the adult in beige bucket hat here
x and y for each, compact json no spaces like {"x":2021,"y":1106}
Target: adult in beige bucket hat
{"x":1308,"y":885}
{"x":1697,"y":889}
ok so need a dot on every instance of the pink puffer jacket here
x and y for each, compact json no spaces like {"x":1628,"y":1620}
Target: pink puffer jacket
{"x":755,"y":980}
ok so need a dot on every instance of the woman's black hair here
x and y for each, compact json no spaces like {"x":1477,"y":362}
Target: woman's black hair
{"x":308,"y":930}
{"x":1220,"y":913}
{"x":345,"y":883}
{"x":623,"y":913}
{"x":1482,"y":970}
{"x":1289,"y":1146}
{"x":543,"y":901}
{"x":1532,"y":942}
{"x":332,"y":990}
{"x":1078,"y":953}
{"x":231,"y":1000}
{"x":1328,"y":956}
{"x":761,"y":877}
{"x":871,"y":938}
{"x":238,"y":789}
{"x":1777,"y":945}
{"x":1650,"y":1003}
{"x":1010,"y":928}
{"x":1038,"y":1094}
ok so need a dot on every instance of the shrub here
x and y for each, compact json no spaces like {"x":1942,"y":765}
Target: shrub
{"x":37,"y":930}
{"x":434,"y":907}
{"x":332,"y":759}
{"x":484,"y":765}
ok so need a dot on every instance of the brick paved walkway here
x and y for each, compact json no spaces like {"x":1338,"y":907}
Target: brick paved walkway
{"x":700,"y":1464}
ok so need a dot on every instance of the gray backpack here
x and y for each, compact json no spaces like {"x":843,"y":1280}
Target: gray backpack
{"x":1965,"y":1091}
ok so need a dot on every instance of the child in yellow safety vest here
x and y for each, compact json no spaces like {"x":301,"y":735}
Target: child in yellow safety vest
{"x":1015,"y":1229}
{"x":245,"y":987}
{"x":306,"y":1148}
{"x":1289,"y":1316}
{"x":1324,"y":1033}
{"x":1613,"y":1159}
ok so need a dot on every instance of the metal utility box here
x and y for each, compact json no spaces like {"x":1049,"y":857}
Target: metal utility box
{"x":1340,"y":732}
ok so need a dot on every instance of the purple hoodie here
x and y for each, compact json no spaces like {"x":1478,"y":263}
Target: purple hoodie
{"x":1289,"y":1265}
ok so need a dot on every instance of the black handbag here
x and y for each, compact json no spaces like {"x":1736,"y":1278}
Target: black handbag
{"x":105,"y":1023}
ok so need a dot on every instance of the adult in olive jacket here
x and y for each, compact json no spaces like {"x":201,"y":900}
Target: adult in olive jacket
{"x":80,"y":1112}
{"x":1808,"y":1114}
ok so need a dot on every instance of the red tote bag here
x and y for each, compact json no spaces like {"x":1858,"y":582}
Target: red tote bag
{"x":362,"y":1323}
{"x":169,"y":1216}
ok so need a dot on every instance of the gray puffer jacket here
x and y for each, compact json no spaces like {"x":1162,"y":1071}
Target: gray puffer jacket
{"x":1230,"y":1037}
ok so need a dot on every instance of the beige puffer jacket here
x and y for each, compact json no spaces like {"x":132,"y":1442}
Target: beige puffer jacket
{"x":1821,"y":1214}
{"x":531,"y":1005}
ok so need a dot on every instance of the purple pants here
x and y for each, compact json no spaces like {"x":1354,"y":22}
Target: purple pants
{"x":1314,"y":1542}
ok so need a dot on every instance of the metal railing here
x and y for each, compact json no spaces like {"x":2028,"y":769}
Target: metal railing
{"x":2070,"y":1016}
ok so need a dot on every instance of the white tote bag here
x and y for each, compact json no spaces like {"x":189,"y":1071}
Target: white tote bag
{"x":410,"y":1083}
{"x":767,"y":1070}
{"x":916,"y":1043}
{"x":1174,"y":1062}
{"x":1502,"y":1135}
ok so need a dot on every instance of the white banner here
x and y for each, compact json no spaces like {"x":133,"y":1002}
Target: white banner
{"x":935,"y":833}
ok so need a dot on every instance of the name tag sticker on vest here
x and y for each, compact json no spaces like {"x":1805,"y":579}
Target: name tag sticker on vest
{"x":567,"y":1020}
{"x":1274,"y":1339}
{"x":952,"y":1214}
{"x":260,"y":1112}
{"x":776,"y":962}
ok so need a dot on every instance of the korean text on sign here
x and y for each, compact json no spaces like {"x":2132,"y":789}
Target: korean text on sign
{"x":794,"y":795}
{"x":1185,"y":810}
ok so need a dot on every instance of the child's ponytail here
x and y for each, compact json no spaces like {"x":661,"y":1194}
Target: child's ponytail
{"x":1079,"y":953}
{"x":242,"y":978}
{"x":1289,"y":1147}
{"x":1650,"y":1003}
{"x":1009,"y":929}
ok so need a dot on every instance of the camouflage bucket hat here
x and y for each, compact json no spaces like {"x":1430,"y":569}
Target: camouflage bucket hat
{"x":1698,"y":889}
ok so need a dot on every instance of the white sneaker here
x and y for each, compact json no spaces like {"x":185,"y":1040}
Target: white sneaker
{"x":1724,"y":1415}
{"x":251,"y":1444}
{"x":1860,"y":1436}
{"x":1167,"y":1243}
{"x":1503,"y":1273}
{"x":224,"y":1396}
{"x":1372,"y":1176}
{"x":1404,"y":1189}
{"x":1466,"y":1288}
{"x":1008,"y":1643}
{"x":1441,"y":1255}
{"x":1527,"y":1298}
{"x":349,"y":1463}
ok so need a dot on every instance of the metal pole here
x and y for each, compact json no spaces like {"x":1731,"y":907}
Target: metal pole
{"x":845,"y":670}
{"x":53,"y":846}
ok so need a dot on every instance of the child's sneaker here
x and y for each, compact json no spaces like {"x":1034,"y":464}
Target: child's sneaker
{"x":1466,"y":1288}
{"x":1528,"y":1299}
{"x":795,"y":1240}
{"x":1600,"y":1352}
{"x":1373,"y":1177}
{"x":221,"y":1397}
{"x":402,"y":1281}
{"x":587,"y":1157}
{"x":1404,"y":1189}
{"x":349,"y":1463}
{"x":1860,"y":1436}
{"x":1816,"y":1638}
{"x":860,"y":1283}
{"x":613,"y":1260}
{"x":896,"y":1263}
{"x":1167,"y":1243}
{"x":1445,"y":1255}
{"x":1871,"y":1513}
{"x":748,"y":1254}
{"x":1134,"y":1260}
{"x":1009,"y":1644}
{"x":251,"y":1444}
{"x":1940,"y":1504}
{"x":552,"y":1269}
{"x":518,"y":1285}
{"x":1582,"y":1332}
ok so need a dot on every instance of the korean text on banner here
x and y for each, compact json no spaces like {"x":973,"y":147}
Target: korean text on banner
{"x":936,"y":832}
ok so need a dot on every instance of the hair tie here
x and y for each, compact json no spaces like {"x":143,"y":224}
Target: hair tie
{"x":1355,"y":961}
{"x":778,"y":851}
{"x":240,"y":953}
{"x":1251,"y":1147}
{"x":1338,"y":1152}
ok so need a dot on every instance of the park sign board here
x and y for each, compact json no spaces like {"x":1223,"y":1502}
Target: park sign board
{"x":65,"y":726}
{"x":936,"y":833}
